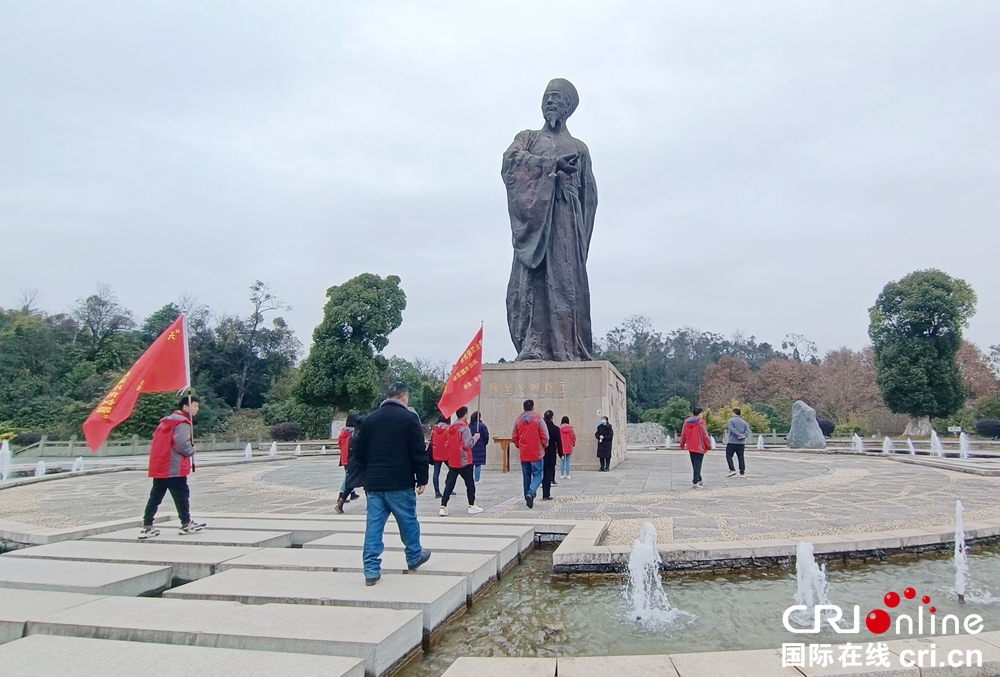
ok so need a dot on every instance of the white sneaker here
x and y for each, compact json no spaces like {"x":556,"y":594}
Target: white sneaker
{"x":569,"y":477}
{"x":474,"y":510}
{"x":479,"y":481}
{"x":443,"y":512}
{"x":732,"y":473}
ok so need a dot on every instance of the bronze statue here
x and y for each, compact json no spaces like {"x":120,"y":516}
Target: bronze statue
{"x":552,"y":198}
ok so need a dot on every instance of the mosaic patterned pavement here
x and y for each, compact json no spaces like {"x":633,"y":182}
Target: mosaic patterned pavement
{"x":785,"y":495}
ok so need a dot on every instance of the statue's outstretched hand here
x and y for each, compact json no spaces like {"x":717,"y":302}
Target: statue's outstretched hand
{"x":568,"y":163}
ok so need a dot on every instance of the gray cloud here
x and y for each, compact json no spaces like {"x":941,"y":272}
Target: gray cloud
{"x":762,"y":166}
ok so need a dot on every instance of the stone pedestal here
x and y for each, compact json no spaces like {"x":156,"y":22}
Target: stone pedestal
{"x":584,"y":391}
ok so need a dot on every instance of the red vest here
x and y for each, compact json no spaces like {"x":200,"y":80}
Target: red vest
{"x":164,"y":462}
{"x":530,"y":436}
{"x":344,"y":442}
{"x":459,"y":455}
{"x":439,"y":437}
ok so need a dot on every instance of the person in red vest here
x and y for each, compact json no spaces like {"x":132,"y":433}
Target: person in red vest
{"x":344,"y":442}
{"x":170,"y":462}
{"x":439,"y":452}
{"x":460,"y":462}
{"x":530,"y":436}
{"x":568,"y":442}
{"x":694,"y":438}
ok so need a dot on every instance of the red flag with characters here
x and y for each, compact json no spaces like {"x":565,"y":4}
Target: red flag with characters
{"x":465,"y":382}
{"x":163,"y":367}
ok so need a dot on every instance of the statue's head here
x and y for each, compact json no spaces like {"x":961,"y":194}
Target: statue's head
{"x":559,"y":101}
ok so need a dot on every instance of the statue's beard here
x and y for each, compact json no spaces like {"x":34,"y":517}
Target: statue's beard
{"x":554,"y":119}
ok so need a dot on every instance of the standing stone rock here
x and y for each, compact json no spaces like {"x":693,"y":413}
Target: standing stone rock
{"x":805,"y":432}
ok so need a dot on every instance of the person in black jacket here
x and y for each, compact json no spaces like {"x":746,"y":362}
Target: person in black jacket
{"x":552,"y":449}
{"x":390,"y":455}
{"x":605,"y":434}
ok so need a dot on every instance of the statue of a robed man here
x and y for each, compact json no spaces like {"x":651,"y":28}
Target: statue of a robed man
{"x":551,"y":197}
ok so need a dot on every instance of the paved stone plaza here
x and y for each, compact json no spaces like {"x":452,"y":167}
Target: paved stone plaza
{"x":785,"y":495}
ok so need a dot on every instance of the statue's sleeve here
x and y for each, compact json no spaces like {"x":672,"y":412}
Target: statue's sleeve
{"x":588,"y":201}
{"x":530,"y":181}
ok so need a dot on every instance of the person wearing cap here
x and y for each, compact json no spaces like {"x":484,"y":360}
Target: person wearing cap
{"x":171,"y":458}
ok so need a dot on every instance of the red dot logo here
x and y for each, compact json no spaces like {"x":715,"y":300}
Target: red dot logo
{"x":909,"y":593}
{"x":891,"y":600}
{"x":877,"y":621}
{"x":925,"y":599}
{"x":933,"y":609}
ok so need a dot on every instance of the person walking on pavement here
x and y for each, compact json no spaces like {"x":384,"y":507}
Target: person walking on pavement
{"x":391,"y":455}
{"x":344,"y":442}
{"x":479,"y":450}
{"x":439,"y":454}
{"x":170,"y":462}
{"x":530,"y":436}
{"x":694,"y":438}
{"x":460,"y":442}
{"x":605,"y":435}
{"x":568,"y":436}
{"x":552,"y":449}
{"x":738,"y":432}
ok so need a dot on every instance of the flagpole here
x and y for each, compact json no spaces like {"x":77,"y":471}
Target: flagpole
{"x":187,"y":365}
{"x":479,"y":400}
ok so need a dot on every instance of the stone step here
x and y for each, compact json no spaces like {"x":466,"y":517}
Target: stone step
{"x":17,"y":607}
{"x":44,"y":656}
{"x":93,"y":578}
{"x":383,"y":638}
{"x":189,"y":562}
{"x":306,"y":530}
{"x":246,"y":539}
{"x":506,"y":549}
{"x":502,"y":667}
{"x":479,"y":570}
{"x":437,"y":597}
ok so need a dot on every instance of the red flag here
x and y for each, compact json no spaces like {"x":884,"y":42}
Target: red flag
{"x":163,"y":367}
{"x":465,"y":382}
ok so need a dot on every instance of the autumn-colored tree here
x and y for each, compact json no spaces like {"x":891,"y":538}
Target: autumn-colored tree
{"x":727,"y":380}
{"x":845,"y":385}
{"x":785,"y":379}
{"x":976,"y":372}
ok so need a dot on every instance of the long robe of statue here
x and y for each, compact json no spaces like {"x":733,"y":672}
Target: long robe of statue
{"x":552,"y":198}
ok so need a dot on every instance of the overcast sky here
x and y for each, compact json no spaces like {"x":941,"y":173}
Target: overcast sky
{"x":764,"y":167}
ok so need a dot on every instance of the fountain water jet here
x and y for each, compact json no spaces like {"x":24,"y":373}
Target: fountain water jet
{"x":961,"y":554}
{"x":760,"y":441}
{"x":644,"y":590}
{"x":887,"y":446}
{"x":913,"y":449}
{"x":4,"y":461}
{"x":667,"y":442}
{"x":322,"y":449}
{"x":40,"y":469}
{"x":812,"y":587}
{"x":77,"y":464}
{"x":298,"y":449}
{"x":248,"y":451}
{"x":963,"y":445}
{"x":273,"y":451}
{"x":857,"y":443}
{"x":936,"y":447}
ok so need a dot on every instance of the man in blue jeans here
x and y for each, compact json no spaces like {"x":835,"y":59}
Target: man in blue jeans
{"x":390,"y":453}
{"x":530,"y":436}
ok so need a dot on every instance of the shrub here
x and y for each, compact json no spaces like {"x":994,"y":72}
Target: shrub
{"x":671,"y":416}
{"x":989,"y":427}
{"x":27,"y":439}
{"x":827,"y":426}
{"x":286,"y":432}
{"x":716,"y":423}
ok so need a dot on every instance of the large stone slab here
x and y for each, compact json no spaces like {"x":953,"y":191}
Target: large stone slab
{"x":603,"y":666}
{"x":44,"y":656}
{"x":761,"y":663}
{"x":506,"y":550}
{"x":584,"y":391}
{"x":479,"y":570}
{"x":437,"y":597}
{"x":306,"y":530}
{"x":246,"y":539}
{"x":502,"y":667}
{"x":18,"y":606}
{"x":805,"y":432}
{"x":381,"y":637}
{"x":189,"y":562}
{"x":92,"y":578}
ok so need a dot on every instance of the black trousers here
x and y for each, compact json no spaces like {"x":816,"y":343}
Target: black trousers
{"x":605,"y":463}
{"x":548,"y":477}
{"x":738,"y":450}
{"x":179,"y":491}
{"x":696,"y":461}
{"x":468,"y":474}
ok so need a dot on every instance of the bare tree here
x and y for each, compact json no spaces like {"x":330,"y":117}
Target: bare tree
{"x":263,"y":301}
{"x":799,"y":348}
{"x":101,"y":317}
{"x":29,"y":301}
